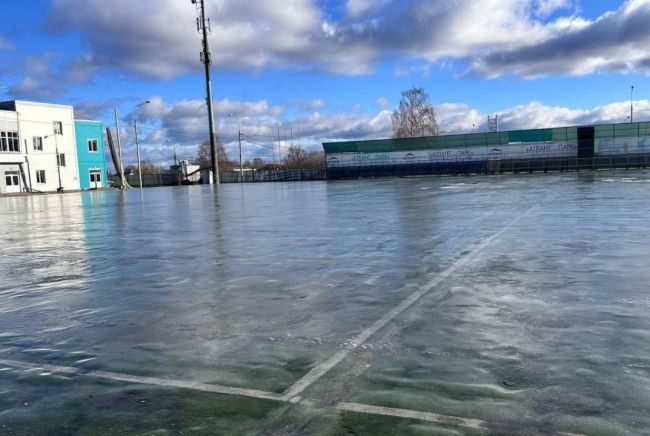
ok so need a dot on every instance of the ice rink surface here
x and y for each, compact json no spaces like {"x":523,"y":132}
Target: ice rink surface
{"x":478,"y":305}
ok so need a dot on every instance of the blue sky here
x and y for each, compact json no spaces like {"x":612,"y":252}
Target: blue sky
{"x":328,"y":69}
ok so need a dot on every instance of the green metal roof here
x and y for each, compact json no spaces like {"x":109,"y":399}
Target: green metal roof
{"x":559,"y":134}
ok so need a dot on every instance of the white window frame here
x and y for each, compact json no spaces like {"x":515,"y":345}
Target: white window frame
{"x":91,"y":142}
{"x":60,"y":159}
{"x":13,"y":176}
{"x":41,"y":178}
{"x":58,"y":127}
{"x":94,"y":172}
{"x":37,"y":143}
{"x":9,"y":142}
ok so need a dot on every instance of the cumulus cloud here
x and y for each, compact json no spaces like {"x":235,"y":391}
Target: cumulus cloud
{"x":183,"y":124}
{"x":94,"y":110}
{"x":544,"y":8}
{"x":164,"y":125}
{"x":357,"y":8}
{"x":616,"y":42}
{"x":45,"y":77}
{"x":495,"y":37}
{"x":163,"y":42}
{"x":461,"y":118}
{"x":382,"y":102}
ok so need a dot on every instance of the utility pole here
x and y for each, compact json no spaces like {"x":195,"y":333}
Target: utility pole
{"x":493,"y":123}
{"x":279,"y":150}
{"x":632,"y":104}
{"x":203,"y":26}
{"x":58,"y":159}
{"x":299,"y":144}
{"x":241,"y":165}
{"x":58,"y":162}
{"x":273,"y":148}
{"x":120,"y":163}
{"x":137,"y":143}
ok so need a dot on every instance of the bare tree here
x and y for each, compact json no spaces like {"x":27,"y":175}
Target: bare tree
{"x":297,"y":158}
{"x":415,"y":116}
{"x":203,"y":156}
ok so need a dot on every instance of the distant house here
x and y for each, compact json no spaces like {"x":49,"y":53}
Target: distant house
{"x":187,"y":173}
{"x":90,"y":152}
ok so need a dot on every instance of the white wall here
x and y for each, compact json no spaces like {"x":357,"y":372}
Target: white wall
{"x":9,"y":161}
{"x":37,"y":120}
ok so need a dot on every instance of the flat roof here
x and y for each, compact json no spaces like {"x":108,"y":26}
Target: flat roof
{"x":14,"y":103}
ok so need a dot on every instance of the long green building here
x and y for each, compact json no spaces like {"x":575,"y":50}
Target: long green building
{"x":485,"y":152}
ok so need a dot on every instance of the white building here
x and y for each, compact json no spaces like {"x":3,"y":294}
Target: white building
{"x":38,"y":150}
{"x":187,"y":173}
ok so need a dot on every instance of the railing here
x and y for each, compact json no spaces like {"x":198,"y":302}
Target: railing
{"x":274,"y":175}
{"x":173,"y":179}
{"x":465,"y":167}
{"x":149,"y":180}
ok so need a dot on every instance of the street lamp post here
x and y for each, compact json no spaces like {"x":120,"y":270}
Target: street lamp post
{"x":137,"y":144}
{"x":241,"y":165}
{"x":632,"y":104}
{"x":58,"y":159}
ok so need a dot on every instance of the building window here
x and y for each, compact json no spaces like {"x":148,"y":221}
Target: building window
{"x":40,"y":176}
{"x":11,"y":178}
{"x":58,"y":128}
{"x":95,"y":176}
{"x":37,"y":141}
{"x":93,"y":146}
{"x":9,"y":142}
{"x":60,"y":159}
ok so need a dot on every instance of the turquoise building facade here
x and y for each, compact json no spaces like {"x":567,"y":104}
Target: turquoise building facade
{"x":91,"y":154}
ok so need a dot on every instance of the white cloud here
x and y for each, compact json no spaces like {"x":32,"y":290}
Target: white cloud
{"x":617,"y":41}
{"x":45,"y":78}
{"x":458,"y":118}
{"x":357,"y":8}
{"x":544,"y":8}
{"x":184,"y":125}
{"x":382,"y":102}
{"x":495,"y":36}
{"x":162,"y":42}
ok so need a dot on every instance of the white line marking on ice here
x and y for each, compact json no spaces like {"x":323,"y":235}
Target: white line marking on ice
{"x":250,"y":393}
{"x":324,"y":367}
{"x":452,"y":421}
{"x":412,"y":414}
{"x":197,"y":386}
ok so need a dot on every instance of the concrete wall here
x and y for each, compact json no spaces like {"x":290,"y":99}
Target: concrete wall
{"x":90,"y":160}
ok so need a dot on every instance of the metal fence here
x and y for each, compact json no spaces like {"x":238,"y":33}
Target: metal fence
{"x":274,"y":175}
{"x":149,"y":180}
{"x":514,"y":166}
{"x":172,"y":179}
